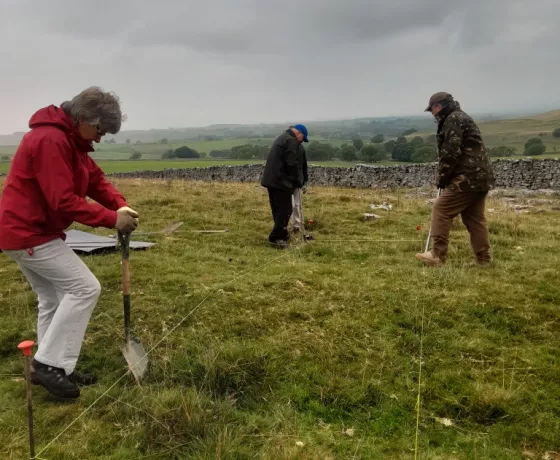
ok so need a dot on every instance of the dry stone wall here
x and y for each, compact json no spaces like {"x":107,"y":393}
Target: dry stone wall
{"x":528,"y":174}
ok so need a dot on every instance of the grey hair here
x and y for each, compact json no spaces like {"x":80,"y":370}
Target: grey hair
{"x":96,"y":107}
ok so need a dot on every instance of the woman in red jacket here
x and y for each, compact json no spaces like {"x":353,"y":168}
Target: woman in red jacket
{"x":45,"y":191}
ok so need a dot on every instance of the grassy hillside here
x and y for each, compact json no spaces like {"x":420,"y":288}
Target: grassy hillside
{"x":336,"y":129}
{"x":319,"y":352}
{"x":514,"y":133}
{"x":154,"y":151}
{"x":511,"y":133}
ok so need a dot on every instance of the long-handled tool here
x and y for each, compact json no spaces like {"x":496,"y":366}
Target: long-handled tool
{"x":305,"y":236}
{"x":132,"y":350}
{"x":225,"y":230}
{"x":171,"y":228}
{"x":430,"y":231}
{"x":26,"y":348}
{"x":168,"y":230}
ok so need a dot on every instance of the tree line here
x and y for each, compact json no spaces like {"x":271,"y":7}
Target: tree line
{"x":239,"y":152}
{"x":417,"y":150}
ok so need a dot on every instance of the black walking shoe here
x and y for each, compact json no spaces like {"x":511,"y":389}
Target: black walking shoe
{"x":82,"y":379}
{"x":54,"y":380}
{"x":282,"y":244}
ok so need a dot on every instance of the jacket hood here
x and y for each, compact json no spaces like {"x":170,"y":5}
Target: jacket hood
{"x":58,"y":118}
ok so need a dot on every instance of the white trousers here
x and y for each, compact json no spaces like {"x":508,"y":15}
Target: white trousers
{"x":67,"y":292}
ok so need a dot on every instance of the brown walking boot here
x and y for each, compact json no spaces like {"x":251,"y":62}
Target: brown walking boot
{"x":428,"y":258}
{"x":483,"y":262}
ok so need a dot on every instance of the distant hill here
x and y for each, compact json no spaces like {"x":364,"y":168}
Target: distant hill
{"x":335,"y":129}
{"x":11,"y":139}
{"x":553,"y":116}
{"x":496,"y":132}
{"x":539,"y":123}
{"x":516,"y":131}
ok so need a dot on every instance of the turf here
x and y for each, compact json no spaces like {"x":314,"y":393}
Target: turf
{"x":310,"y":353}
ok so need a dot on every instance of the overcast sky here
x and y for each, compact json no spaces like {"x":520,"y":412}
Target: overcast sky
{"x":184,"y":63}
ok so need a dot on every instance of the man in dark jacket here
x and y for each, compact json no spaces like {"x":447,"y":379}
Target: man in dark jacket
{"x":282,"y":174}
{"x":464,"y":177}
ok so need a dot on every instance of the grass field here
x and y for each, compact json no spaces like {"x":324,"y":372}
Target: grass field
{"x":154,"y":151}
{"x":318,"y":352}
{"x":124,"y":166}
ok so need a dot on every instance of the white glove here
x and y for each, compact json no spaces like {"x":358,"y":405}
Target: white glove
{"x":128,"y":210}
{"x":131,"y":212}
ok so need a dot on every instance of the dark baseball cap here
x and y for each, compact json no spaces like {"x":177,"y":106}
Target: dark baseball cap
{"x":438,"y":97}
{"x":303,"y":130}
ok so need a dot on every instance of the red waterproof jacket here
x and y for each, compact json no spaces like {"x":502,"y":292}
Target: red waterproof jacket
{"x":50,"y":176}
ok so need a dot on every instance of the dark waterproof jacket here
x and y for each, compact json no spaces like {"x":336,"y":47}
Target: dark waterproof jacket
{"x":283,"y":169}
{"x":302,"y":157}
{"x":463,"y":161}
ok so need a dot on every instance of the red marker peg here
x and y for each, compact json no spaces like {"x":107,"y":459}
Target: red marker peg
{"x":26,"y":347}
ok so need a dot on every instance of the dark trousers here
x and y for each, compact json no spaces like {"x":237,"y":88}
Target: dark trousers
{"x":471,"y":207}
{"x":281,"y":206}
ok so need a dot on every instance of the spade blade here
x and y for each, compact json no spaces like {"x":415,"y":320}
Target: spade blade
{"x":136,"y":358}
{"x":171,"y":228}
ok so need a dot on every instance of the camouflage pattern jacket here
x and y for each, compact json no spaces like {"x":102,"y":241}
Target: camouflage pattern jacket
{"x":463,"y":161}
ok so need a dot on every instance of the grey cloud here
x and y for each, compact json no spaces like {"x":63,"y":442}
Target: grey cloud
{"x":179,"y":63}
{"x":250,"y":26}
{"x":257,"y":26}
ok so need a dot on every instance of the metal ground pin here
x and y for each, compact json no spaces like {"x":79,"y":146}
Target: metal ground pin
{"x":26,"y":347}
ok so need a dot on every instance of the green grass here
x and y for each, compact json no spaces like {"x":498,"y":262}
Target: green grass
{"x":319,"y":344}
{"x":7,"y":149}
{"x":200,"y":146}
{"x":121,"y":152}
{"x":156,"y":165}
{"x":154,"y":151}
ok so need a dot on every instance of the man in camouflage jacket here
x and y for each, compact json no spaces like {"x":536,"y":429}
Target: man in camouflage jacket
{"x":465,"y":177}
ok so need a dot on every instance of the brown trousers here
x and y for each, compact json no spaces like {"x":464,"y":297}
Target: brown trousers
{"x":471,"y":207}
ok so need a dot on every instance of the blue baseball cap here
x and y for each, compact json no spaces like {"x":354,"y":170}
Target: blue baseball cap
{"x":303,"y":130}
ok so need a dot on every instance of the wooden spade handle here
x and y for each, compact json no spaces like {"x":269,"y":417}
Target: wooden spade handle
{"x":125,"y":266}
